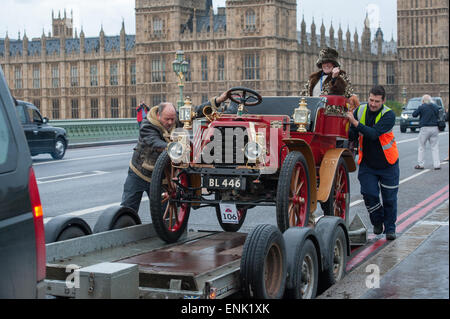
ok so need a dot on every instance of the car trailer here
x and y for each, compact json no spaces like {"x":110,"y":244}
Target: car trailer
{"x":133,"y":262}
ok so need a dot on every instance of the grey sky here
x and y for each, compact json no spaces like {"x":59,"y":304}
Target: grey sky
{"x":34,"y":16}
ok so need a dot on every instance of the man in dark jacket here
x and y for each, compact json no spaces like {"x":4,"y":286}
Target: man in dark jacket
{"x":428,"y":123}
{"x":154,"y":135}
{"x":371,"y":125}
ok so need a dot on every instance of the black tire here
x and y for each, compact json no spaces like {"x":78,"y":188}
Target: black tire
{"x":298,"y":215}
{"x":402,"y":129}
{"x":413,"y":129}
{"x":263,"y":264}
{"x":338,"y":203}
{"x":242,"y":212}
{"x":304,"y":269}
{"x":59,"y":149}
{"x":71,"y":232}
{"x":116,"y":217}
{"x":168,"y":229}
{"x":336,"y":260}
{"x":124,"y":221}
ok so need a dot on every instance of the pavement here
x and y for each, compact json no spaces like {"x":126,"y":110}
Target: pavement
{"x":414,"y":266}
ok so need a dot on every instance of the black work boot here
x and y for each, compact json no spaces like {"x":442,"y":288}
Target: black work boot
{"x":391,"y":236}
{"x":378,"y":229}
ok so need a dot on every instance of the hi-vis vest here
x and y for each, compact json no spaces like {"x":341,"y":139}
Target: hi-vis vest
{"x":387,"y":139}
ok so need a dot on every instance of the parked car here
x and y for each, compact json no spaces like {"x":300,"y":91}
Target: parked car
{"x":408,"y":121}
{"x":22,"y":237}
{"x":42,"y":138}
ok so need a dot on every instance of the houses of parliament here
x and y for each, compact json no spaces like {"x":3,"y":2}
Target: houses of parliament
{"x":250,"y":43}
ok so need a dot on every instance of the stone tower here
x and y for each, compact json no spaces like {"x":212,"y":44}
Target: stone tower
{"x":62,"y":27}
{"x":423,"y":41}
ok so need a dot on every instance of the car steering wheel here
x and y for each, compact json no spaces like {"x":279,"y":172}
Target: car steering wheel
{"x":239,"y":96}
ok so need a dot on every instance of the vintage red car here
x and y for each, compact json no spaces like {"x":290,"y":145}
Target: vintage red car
{"x":290,"y":152}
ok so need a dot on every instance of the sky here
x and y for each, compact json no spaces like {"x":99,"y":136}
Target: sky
{"x":34,"y":16}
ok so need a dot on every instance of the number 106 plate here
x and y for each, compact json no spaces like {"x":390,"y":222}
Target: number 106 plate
{"x":223,"y":182}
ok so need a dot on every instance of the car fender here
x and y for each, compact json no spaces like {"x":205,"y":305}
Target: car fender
{"x":328,"y":168}
{"x":300,"y":145}
{"x":56,"y":225}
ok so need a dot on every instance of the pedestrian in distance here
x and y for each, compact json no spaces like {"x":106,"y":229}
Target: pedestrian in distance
{"x":154,"y":136}
{"x":378,"y":160}
{"x":141,"y":112}
{"x":429,"y":132}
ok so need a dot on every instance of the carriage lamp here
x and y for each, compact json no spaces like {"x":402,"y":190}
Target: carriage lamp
{"x":301,"y":115}
{"x":185,"y":114}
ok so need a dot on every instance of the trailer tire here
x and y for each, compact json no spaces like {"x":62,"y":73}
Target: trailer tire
{"x":303,"y":263}
{"x":263,"y":264}
{"x":65,"y":227}
{"x":116,"y":217}
{"x":336,"y":260}
{"x":293,"y":202}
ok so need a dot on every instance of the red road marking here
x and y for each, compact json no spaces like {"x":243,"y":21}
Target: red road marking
{"x":362,"y":255}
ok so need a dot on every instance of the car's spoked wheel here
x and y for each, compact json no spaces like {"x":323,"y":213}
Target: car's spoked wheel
{"x":338,"y":202}
{"x":293,"y":193}
{"x":167,"y":188}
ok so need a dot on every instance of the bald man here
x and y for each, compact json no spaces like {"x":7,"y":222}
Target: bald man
{"x":154,"y":135}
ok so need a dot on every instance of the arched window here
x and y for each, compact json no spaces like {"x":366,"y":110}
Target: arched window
{"x":250,"y":20}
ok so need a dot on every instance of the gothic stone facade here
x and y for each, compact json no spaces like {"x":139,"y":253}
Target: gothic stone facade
{"x":248,"y":43}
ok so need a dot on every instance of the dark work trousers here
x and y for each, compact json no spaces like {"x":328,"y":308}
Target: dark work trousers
{"x":372,"y":180}
{"x":133,"y":189}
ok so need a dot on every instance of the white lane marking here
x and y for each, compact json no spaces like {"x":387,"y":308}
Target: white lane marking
{"x":92,"y":173}
{"x":81,"y":158}
{"x":55,"y":176}
{"x":359,"y":201}
{"x":93,"y":209}
{"x":416,"y":138}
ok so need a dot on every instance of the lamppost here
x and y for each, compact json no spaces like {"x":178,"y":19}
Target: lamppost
{"x":180,"y":67}
{"x":404,"y":95}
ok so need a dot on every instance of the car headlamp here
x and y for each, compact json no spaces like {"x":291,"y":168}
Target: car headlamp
{"x":404,"y":116}
{"x":253,"y":151}
{"x":176,"y":151}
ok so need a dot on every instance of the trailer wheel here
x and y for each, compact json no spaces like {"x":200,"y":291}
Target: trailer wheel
{"x":336,"y":255}
{"x":338,"y":203}
{"x":116,"y":217}
{"x":304,"y":267}
{"x":302,"y":261}
{"x":293,"y":192}
{"x":168,"y":185}
{"x":65,"y":227}
{"x":263,"y":263}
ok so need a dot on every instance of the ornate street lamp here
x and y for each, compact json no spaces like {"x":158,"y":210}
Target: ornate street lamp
{"x":180,"y":67}
{"x":404,"y":96}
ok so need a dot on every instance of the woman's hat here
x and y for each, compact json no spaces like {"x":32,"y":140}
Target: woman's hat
{"x":328,"y":55}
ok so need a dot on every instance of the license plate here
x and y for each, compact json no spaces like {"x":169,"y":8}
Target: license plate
{"x":222,"y":182}
{"x":414,"y":122}
{"x":228,"y":213}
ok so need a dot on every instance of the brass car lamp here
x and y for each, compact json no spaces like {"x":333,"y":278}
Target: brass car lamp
{"x":185,"y":114}
{"x":302,"y":115}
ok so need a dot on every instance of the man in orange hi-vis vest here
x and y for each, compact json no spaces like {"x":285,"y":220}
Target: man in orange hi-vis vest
{"x":371,"y":125}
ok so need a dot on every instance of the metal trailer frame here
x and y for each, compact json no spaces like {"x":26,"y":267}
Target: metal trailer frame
{"x":128,"y":243}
